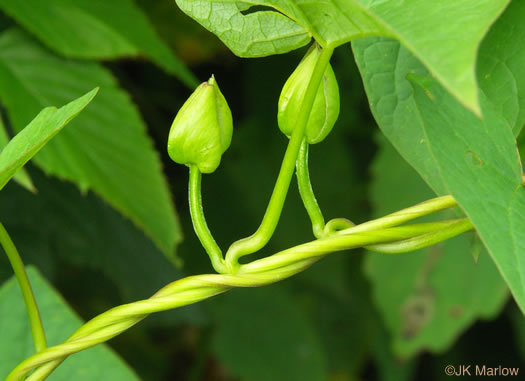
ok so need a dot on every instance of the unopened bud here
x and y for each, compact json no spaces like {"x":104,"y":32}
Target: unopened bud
{"x":325,"y":109}
{"x":202,"y":129}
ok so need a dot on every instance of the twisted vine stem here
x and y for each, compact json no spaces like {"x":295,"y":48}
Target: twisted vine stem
{"x":381,"y":234}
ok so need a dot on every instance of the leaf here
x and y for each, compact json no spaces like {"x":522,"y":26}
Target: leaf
{"x":251,"y":322}
{"x":501,"y":65}
{"x":518,"y":328}
{"x":96,"y":30}
{"x":390,"y":367}
{"x":521,"y":148}
{"x":37,"y":134}
{"x":59,"y":321}
{"x":384,"y":65}
{"x":429,"y":297}
{"x":106,"y":149}
{"x":480,"y":166}
{"x":21,"y":176}
{"x":279,"y":26}
{"x":341,"y":309}
{"x":256,"y":34}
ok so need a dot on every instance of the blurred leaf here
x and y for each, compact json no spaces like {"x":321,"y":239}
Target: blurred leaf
{"x":255,"y":28}
{"x":106,"y":149}
{"x":384,"y":65}
{"x":485,"y":343}
{"x":429,"y":297}
{"x":59,"y":223}
{"x":193,"y":44}
{"x":262,"y":336}
{"x":518,"y":328}
{"x":335,"y":294}
{"x":480,"y":165}
{"x":96,"y":30}
{"x":37,"y":134}
{"x":390,"y":367}
{"x":21,"y":176}
{"x":60,"y":321}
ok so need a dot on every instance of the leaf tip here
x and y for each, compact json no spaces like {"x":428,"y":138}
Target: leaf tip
{"x":422,"y":82}
{"x":94,"y":92}
{"x":475,"y":107}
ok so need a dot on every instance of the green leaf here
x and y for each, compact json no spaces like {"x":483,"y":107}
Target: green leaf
{"x":251,"y":322}
{"x":429,"y":297}
{"x":99,"y":30}
{"x":59,"y":321}
{"x":389,"y":366}
{"x":501,"y":65}
{"x":384,"y":65}
{"x":521,"y":148}
{"x":21,"y":176}
{"x":282,"y":25}
{"x":37,"y":134}
{"x":106,"y":149}
{"x":335,"y":294}
{"x":255,"y":34}
{"x":480,"y":165}
{"x":518,"y":328}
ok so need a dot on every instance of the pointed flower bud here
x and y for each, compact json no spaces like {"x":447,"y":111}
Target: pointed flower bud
{"x":325,"y":109}
{"x":202,"y":129}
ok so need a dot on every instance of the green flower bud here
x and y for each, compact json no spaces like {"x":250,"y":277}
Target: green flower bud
{"x":202,"y":129}
{"x":325,"y":109}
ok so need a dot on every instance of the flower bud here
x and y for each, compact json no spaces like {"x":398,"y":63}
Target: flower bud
{"x":202,"y":129}
{"x":325,"y":109}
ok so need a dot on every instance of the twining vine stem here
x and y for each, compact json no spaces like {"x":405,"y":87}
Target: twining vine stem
{"x":261,"y":272}
{"x":37,"y":330}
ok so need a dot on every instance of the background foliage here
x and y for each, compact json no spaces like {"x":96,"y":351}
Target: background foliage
{"x":95,"y":213}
